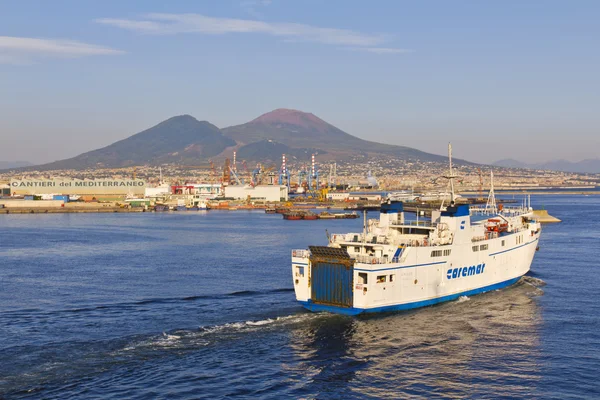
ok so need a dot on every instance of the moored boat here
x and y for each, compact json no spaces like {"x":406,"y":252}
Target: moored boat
{"x":292,"y":216}
{"x":310,"y":216}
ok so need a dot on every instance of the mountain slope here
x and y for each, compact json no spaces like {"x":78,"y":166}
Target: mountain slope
{"x":182,"y":139}
{"x":298,"y":129}
{"x":270,"y":150}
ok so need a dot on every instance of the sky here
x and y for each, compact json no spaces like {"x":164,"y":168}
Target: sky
{"x":499,"y":79}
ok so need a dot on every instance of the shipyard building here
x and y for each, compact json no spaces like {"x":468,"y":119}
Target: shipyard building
{"x":270,"y":193}
{"x":84,"y":187}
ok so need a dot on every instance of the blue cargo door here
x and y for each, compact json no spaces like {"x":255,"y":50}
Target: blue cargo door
{"x":332,"y":276}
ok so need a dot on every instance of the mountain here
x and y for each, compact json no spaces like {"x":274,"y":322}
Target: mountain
{"x":589,"y":166}
{"x":185,"y":140}
{"x":298,"y":129}
{"x":182,"y":139}
{"x":14,"y":164}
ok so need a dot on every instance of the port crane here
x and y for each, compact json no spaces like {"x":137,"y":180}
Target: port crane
{"x":284,"y":174}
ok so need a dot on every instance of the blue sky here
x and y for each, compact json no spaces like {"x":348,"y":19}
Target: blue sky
{"x":503,"y":79}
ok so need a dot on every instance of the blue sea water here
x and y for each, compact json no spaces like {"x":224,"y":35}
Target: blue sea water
{"x":200,"y":305}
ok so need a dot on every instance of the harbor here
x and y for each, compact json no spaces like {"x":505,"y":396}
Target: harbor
{"x":154,"y":286}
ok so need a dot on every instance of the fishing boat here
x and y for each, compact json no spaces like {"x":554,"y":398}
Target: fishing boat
{"x":396,"y":264}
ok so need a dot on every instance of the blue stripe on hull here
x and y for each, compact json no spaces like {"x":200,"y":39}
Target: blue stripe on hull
{"x":406,"y":306}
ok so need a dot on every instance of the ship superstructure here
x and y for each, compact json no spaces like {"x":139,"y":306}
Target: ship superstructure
{"x":395,"y":264}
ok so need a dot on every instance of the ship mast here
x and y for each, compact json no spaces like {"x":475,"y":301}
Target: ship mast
{"x":491,"y":202}
{"x":451,"y":175}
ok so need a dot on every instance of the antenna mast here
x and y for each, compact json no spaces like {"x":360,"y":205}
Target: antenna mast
{"x":491,"y":202}
{"x":451,"y":176}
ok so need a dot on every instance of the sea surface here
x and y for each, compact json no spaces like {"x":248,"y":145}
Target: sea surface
{"x":200,"y":305}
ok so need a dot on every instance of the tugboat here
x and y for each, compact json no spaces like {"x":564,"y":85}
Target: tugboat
{"x":395,"y":264}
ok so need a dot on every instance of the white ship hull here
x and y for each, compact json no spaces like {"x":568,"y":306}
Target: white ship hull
{"x":421,"y":280}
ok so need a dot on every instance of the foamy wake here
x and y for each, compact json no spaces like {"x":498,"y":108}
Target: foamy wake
{"x":207,"y":334}
{"x":462,"y":299}
{"x":535,"y":282}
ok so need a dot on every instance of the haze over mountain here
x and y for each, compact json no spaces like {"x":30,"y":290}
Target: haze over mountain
{"x":187,"y":141}
{"x":14,"y":164}
{"x":591,"y":166}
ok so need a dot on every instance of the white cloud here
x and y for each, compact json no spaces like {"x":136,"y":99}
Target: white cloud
{"x":170,"y":24}
{"x":22,"y":50}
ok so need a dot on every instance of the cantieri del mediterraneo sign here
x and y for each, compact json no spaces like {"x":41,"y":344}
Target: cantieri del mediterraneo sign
{"x":77,"y":186}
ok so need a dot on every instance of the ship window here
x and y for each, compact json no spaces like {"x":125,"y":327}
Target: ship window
{"x":392,"y":277}
{"x":381,"y":278}
{"x":355,"y":239}
{"x":362,"y":278}
{"x":475,"y":248}
{"x":356,"y":249}
{"x":436,"y":253}
{"x":447,"y":252}
{"x":483,"y":247}
{"x":503,"y":243}
{"x":300,"y":271}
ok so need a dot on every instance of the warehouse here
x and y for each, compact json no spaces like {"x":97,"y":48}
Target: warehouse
{"x":96,"y":187}
{"x":259,"y":192}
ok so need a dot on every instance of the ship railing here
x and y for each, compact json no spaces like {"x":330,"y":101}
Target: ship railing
{"x":416,"y":243}
{"x":358,"y":238}
{"x":377,"y":260}
{"x":301,"y":253}
{"x":370,"y":259}
{"x":424,"y":223}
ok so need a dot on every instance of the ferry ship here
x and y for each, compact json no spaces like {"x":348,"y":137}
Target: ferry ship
{"x":395,"y":264}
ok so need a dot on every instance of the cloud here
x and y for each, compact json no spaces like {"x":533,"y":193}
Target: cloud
{"x":22,"y":50}
{"x":171,"y":24}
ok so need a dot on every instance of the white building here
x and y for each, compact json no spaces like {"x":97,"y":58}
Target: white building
{"x":338,"y":196}
{"x":259,"y":192}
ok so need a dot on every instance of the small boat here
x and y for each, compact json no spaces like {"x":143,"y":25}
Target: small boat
{"x":310,"y":216}
{"x":326,"y":215}
{"x":270,"y":210}
{"x":292,"y":216}
{"x":161,"y":207}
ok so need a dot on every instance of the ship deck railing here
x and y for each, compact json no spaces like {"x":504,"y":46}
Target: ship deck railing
{"x":357,"y":238}
{"x":374,"y":260}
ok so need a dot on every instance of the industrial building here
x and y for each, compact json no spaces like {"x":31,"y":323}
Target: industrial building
{"x":258,"y":192}
{"x":96,"y":187}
